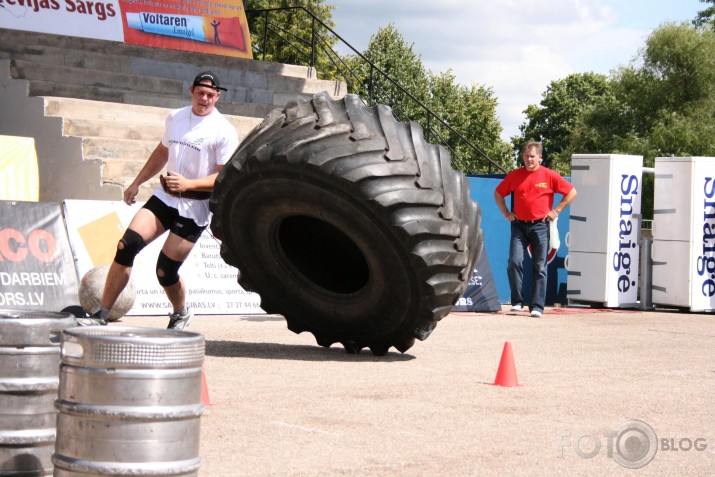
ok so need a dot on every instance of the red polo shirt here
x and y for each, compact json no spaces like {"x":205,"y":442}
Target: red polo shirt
{"x":533,"y":191}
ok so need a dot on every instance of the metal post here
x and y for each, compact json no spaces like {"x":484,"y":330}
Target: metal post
{"x":265,"y":35}
{"x":312,"y":44}
{"x":646,"y":281}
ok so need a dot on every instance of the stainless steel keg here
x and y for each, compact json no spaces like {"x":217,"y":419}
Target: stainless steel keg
{"x":29,"y":377}
{"x":129,"y":402}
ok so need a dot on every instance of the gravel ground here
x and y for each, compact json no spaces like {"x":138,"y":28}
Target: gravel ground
{"x":592,"y":385}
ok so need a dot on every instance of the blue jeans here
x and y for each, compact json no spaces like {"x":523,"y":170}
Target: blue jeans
{"x":522,"y":235}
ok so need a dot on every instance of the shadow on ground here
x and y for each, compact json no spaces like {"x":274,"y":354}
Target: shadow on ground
{"x":242,"y":349}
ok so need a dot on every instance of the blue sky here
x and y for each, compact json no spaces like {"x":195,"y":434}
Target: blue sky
{"x":515,"y":47}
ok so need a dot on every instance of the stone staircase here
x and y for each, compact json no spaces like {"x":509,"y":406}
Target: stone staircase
{"x":96,"y":108}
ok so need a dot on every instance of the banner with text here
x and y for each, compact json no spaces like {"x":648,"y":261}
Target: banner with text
{"x":37,"y":271}
{"x":95,"y":227}
{"x":217,"y":27}
{"x":481,"y":293}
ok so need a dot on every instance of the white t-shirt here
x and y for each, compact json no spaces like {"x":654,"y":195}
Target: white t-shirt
{"x":197,"y":146}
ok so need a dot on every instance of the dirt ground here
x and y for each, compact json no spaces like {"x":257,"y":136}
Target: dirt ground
{"x":600,"y":392}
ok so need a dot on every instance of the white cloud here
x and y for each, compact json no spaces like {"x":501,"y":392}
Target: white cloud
{"x":515,"y":47}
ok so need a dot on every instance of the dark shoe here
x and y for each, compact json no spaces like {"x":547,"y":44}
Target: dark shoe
{"x":92,"y":320}
{"x":179,"y":322}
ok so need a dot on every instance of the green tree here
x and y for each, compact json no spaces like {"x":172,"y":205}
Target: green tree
{"x":458,"y":112}
{"x":389,"y":72}
{"x":553,"y":120}
{"x":471,"y":113}
{"x":616,"y":121}
{"x":397,"y":64}
{"x":674,"y":87}
{"x":290,"y":33}
{"x":706,"y":17}
{"x":662,"y":105}
{"x":682,"y":60}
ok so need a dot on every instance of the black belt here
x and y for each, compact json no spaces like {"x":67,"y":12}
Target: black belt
{"x":189,"y":194}
{"x":530,"y":221}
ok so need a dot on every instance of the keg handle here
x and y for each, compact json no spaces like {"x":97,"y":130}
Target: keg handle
{"x":72,"y":349}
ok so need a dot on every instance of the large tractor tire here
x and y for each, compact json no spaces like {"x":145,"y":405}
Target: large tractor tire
{"x":348,"y":223}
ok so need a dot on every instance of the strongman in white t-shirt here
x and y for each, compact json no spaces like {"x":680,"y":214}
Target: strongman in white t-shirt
{"x":198,"y":140}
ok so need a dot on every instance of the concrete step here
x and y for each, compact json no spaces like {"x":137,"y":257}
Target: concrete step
{"x":97,"y":108}
{"x":114,"y":95}
{"x":141,"y":131}
{"x":243,"y":87}
{"x":252,"y":110}
{"x":59,"y":56}
{"x":37,"y":68}
{"x":121,"y":121}
{"x":70,"y":75}
{"x":77,"y":108}
{"x":121,"y":172}
{"x":104,"y":128}
{"x":111,"y":148}
{"x":119,"y":136}
{"x":75,"y":51}
{"x":102,"y":85}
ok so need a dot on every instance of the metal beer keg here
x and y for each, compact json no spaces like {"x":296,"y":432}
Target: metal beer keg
{"x":29,"y":377}
{"x":129,"y":402}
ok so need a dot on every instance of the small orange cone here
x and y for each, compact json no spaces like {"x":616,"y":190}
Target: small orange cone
{"x":506,"y":374}
{"x":205,"y":400}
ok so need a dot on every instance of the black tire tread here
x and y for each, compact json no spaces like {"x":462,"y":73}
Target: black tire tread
{"x":408,"y":183}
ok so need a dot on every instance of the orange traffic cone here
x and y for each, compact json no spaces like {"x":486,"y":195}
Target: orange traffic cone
{"x":506,"y":374}
{"x":205,"y":400}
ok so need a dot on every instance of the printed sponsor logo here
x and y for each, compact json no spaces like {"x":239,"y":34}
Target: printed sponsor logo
{"x":20,"y":8}
{"x":15,"y":247}
{"x":705,"y":262}
{"x":623,"y":256}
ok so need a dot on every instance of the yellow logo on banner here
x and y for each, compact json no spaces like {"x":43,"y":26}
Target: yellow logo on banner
{"x":100,"y":238}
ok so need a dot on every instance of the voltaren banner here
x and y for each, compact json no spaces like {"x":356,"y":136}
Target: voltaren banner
{"x":37,"y":271}
{"x":217,"y":27}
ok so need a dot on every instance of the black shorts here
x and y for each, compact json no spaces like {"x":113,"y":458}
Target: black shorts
{"x":170,"y":219}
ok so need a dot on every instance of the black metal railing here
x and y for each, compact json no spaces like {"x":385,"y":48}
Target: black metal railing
{"x":276,"y":38}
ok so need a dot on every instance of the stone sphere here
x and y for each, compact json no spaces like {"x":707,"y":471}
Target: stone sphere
{"x":91,"y":288}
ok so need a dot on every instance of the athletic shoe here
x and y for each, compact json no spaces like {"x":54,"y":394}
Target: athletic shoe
{"x":516,"y":307}
{"x":92,"y":320}
{"x":179,"y":322}
{"x":535,"y":314}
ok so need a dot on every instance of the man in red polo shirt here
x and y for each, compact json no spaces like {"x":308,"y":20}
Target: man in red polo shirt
{"x":534,"y":187}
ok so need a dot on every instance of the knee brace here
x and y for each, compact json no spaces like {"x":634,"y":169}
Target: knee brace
{"x":128,"y":247}
{"x":167,"y":270}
